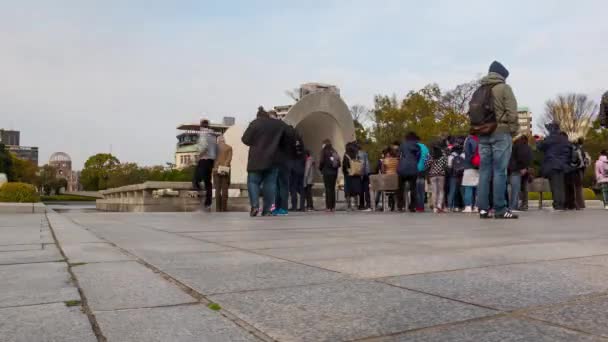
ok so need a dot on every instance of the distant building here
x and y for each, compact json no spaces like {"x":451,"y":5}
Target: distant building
{"x":524,"y":119}
{"x":8,"y":137}
{"x":12,"y":141}
{"x":62,"y":162}
{"x":186,"y":152}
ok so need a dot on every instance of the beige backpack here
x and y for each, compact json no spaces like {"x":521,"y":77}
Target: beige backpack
{"x":356,"y":167}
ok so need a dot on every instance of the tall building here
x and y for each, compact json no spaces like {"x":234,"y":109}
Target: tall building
{"x":62,"y":162}
{"x":8,"y":137}
{"x":12,"y":141}
{"x":186,"y":152}
{"x":524,"y":119}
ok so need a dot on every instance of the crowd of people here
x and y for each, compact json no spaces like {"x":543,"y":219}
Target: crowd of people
{"x":486,"y":172}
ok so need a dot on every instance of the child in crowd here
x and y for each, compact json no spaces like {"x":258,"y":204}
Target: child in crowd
{"x":456,"y":167}
{"x":470,"y":177}
{"x":601,"y":175}
{"x":437,"y":174}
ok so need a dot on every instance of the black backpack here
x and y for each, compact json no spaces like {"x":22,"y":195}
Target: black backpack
{"x":481,"y":111}
{"x":458,"y":165}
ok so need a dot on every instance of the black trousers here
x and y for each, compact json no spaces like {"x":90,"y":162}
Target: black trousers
{"x":365,"y":199}
{"x":296,"y":190}
{"x":308,"y":195}
{"x":411,"y":185}
{"x":558,"y":184}
{"x":203,"y":173}
{"x":574,"y":190}
{"x":330,"y":191}
{"x":523,"y":194}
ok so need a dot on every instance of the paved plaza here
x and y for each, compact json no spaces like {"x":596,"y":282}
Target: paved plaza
{"x":306,"y":277}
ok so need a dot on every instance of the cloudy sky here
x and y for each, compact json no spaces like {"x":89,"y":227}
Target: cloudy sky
{"x":81,"y":76}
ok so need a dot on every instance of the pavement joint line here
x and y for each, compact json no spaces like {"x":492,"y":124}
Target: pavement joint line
{"x":572,"y":301}
{"x":190,"y":291}
{"x":284,"y":287}
{"x":33,"y":262}
{"x":28,"y":305}
{"x":152,"y":307}
{"x":493,"y":265}
{"x":430,"y":328}
{"x":533,"y":319}
{"x":83,"y":299}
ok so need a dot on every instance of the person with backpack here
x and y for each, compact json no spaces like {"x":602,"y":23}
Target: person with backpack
{"x":264,"y":136}
{"x":207,"y":148}
{"x":365,"y":200}
{"x":493,"y":116}
{"x":521,"y":160}
{"x":470,"y":176}
{"x":437,"y":175}
{"x":574,"y":179}
{"x":601,"y":175}
{"x":456,"y":167}
{"x":309,"y":180}
{"x":423,"y":166}
{"x":352,"y":168}
{"x":557,"y":157}
{"x":329,"y":163}
{"x":409,"y":152}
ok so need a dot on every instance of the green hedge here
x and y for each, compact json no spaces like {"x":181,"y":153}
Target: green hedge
{"x":67,"y":198}
{"x":18,"y":192}
{"x":588,"y":194}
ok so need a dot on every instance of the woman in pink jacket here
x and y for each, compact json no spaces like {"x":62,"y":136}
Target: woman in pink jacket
{"x":601,"y":175}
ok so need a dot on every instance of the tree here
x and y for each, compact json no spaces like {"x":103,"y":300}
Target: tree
{"x":47,"y":179}
{"x":574,"y":113}
{"x":96,"y":170}
{"x":360,"y":115}
{"x":6,"y":162}
{"x":293,"y":94}
{"x":23,"y":171}
{"x":125,"y":174}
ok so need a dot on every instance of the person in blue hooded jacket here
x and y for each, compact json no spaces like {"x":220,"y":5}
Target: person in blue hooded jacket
{"x":556,"y":163}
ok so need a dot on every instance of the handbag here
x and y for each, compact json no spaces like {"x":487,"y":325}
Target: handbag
{"x":223,"y":170}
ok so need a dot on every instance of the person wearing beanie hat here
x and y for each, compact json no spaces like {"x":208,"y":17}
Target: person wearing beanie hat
{"x":495,"y":148}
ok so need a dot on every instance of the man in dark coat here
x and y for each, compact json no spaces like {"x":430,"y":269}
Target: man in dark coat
{"x":556,"y":163}
{"x":264,"y":136}
{"x":408,"y":170}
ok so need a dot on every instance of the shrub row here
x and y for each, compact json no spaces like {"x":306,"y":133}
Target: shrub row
{"x":19,"y":192}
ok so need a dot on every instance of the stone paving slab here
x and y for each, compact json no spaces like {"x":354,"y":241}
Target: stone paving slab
{"x":93,"y":252}
{"x":126,"y":285}
{"x":345,"y":251}
{"x":590,"y":316}
{"x":343,"y":310}
{"x":49,"y":253}
{"x":187,"y":323}
{"x":35,"y":284}
{"x":47,"y":322}
{"x":493,"y":330}
{"x":224,"y":272}
{"x":20,"y":235}
{"x":512,"y":287}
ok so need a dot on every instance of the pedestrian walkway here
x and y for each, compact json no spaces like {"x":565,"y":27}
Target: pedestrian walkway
{"x":309,"y":277}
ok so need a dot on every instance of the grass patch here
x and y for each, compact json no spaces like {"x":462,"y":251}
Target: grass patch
{"x":67,"y":198}
{"x":214,"y":307}
{"x":70,"y":303}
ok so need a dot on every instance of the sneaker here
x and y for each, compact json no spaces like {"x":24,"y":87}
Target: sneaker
{"x":484,"y":214}
{"x":508,"y":215}
{"x":254,"y":212}
{"x":436,"y":211}
{"x":606,"y":207}
{"x":475,"y":209}
{"x":419,"y":210}
{"x":468,"y":210}
{"x":280,"y":212}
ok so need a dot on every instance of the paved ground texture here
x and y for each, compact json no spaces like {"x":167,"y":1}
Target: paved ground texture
{"x":309,"y":277}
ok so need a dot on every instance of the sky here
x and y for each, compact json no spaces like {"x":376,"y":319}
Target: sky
{"x":85,"y":77}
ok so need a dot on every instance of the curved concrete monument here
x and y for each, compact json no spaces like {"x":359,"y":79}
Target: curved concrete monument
{"x":319,"y":116}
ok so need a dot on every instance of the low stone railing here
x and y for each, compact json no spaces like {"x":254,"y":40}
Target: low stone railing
{"x":162,"y":197}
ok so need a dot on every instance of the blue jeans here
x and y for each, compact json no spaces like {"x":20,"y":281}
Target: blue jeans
{"x":469,"y":195}
{"x":495,"y":153}
{"x":515,"y":189}
{"x":420,"y":192}
{"x":454,"y":185}
{"x":269,"y":180}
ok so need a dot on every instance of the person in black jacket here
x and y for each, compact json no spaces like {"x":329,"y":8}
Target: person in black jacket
{"x":264,"y":136}
{"x":329,"y":163}
{"x":408,"y":170}
{"x":521,"y":159}
{"x":296,"y":175}
{"x":352,"y":184}
{"x":574,"y":179}
{"x":556,"y":163}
